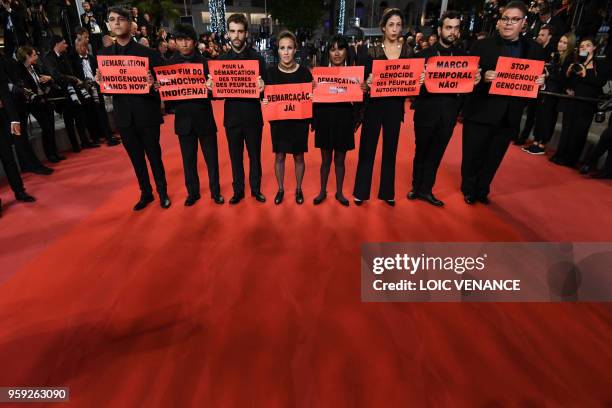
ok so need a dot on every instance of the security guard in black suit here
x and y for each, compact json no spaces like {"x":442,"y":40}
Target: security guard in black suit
{"x":242,"y":116}
{"x":435,"y":115}
{"x":138,"y":116}
{"x":491,"y":121}
{"x":194,"y":121}
{"x":9,"y":124}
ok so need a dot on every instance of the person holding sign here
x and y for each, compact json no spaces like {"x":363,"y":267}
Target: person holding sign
{"x":382,"y":112}
{"x":289,"y":135}
{"x":242,"y":116}
{"x":435,"y":114}
{"x":585,"y":78}
{"x":193,"y":122}
{"x":137,"y":116}
{"x":491,"y":121}
{"x":334,"y":125}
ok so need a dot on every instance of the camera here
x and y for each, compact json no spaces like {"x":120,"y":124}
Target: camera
{"x":602,"y":108}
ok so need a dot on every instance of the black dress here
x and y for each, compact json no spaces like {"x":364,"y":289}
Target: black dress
{"x":333,"y":124}
{"x":291,"y":135}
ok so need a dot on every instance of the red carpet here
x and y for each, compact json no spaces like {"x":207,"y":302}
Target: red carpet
{"x":258,"y":305}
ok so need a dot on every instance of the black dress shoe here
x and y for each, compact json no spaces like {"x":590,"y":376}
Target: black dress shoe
{"x":320,"y":198}
{"x":299,"y":196}
{"x":431,"y":199}
{"x":390,"y":202}
{"x":113,"y":142}
{"x":602,"y":175}
{"x":279,"y":197}
{"x":586,"y":169}
{"x":469,"y":199}
{"x":61,"y":157}
{"x":43,"y":171}
{"x":191,"y":200}
{"x":53,"y":159}
{"x":78,"y":150}
{"x":218,"y":199}
{"x":342,"y":200}
{"x":164,"y":201}
{"x":413,"y":195}
{"x":24,"y":197}
{"x":143,"y":202}
{"x":236,"y":198}
{"x":357,"y":201}
{"x":483,"y":199}
{"x":259,"y":197}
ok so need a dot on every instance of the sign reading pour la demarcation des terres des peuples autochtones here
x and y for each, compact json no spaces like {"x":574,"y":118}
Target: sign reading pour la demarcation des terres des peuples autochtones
{"x":486,"y":272}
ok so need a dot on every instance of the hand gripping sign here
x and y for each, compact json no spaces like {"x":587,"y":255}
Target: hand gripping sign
{"x":123,"y":74}
{"x":291,"y":101}
{"x":234,"y":78}
{"x":517,"y":77}
{"x":338,"y":84}
{"x":451,"y":74}
{"x":398,"y":77}
{"x":181,"y":81}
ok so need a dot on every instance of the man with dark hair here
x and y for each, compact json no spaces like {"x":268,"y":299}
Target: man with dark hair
{"x":13,"y":20}
{"x":435,"y":115}
{"x":138,"y":116}
{"x":194,"y":122}
{"x":546,"y":18}
{"x":9,"y":124}
{"x":94,"y":26}
{"x":242,"y":118}
{"x":491,"y":121}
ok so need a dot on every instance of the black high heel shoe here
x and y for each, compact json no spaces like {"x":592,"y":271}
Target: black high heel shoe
{"x":342,"y":200}
{"x":320,"y":198}
{"x":299,"y":196}
{"x":279,"y":197}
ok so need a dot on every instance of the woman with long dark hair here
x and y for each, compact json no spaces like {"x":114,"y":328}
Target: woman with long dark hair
{"x":386,"y":113}
{"x":291,"y":135}
{"x":334,"y":124}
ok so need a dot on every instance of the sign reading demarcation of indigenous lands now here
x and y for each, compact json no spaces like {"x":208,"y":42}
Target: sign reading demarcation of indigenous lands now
{"x":451,"y":74}
{"x":517,"y":77}
{"x":398,"y":77}
{"x":234,"y":78}
{"x":338,"y":84}
{"x":123,"y":74}
{"x":291,"y":101}
{"x":181,"y":81}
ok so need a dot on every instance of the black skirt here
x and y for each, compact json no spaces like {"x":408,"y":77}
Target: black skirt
{"x":333,"y":126}
{"x":290,"y":136}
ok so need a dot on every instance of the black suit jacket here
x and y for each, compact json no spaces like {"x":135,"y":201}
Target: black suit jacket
{"x":431,"y":109}
{"x":60,"y":69}
{"x":19,"y":25}
{"x":8,"y":113}
{"x":244,"y":111}
{"x":492,"y":109}
{"x":136,"y":110}
{"x":77,"y":65}
{"x":193,"y":115}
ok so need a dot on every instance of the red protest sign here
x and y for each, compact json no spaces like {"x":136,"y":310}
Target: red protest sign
{"x":517,"y":77}
{"x":398,"y":77}
{"x":291,"y":101}
{"x":234,"y":78}
{"x":338,"y":84}
{"x":123,"y":74}
{"x":451,"y":74}
{"x":181,"y":81}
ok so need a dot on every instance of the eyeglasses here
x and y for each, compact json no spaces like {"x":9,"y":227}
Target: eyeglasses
{"x":512,"y":21}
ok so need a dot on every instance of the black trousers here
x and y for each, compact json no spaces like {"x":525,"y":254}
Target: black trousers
{"x":603,"y":145}
{"x":237,"y":138}
{"x":529,"y":121}
{"x":484,"y":147}
{"x":105,"y":129}
{"x":189,"y":151}
{"x":25,"y":153}
{"x":140,"y":142}
{"x":387,"y":116}
{"x":546,"y":119}
{"x":43,"y":113}
{"x":431,"y":143}
{"x":8,"y":160}
{"x":74,"y":117}
{"x":574,"y":133}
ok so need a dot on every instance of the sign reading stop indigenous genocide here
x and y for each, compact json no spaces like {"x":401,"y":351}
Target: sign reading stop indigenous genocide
{"x":234,"y":78}
{"x":451,"y":74}
{"x":291,"y":101}
{"x":398,"y":77}
{"x":338,"y":84}
{"x":181,"y":81}
{"x":123,"y":74}
{"x":517,"y":77}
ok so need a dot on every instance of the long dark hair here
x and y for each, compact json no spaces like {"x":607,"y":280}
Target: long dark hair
{"x":340,"y":42}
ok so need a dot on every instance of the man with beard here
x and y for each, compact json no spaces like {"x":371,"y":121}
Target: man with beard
{"x":194,"y":122}
{"x":435,"y":115}
{"x":138,"y":116}
{"x":491,"y":121}
{"x":242,"y":119}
